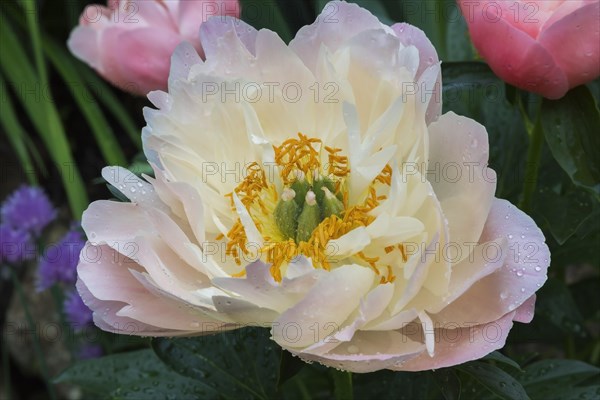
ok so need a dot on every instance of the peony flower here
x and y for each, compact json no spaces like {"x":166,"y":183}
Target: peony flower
{"x":130,"y":42}
{"x":292,"y":191}
{"x":545,"y":47}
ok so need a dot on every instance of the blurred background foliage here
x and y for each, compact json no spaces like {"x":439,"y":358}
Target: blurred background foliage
{"x":61,"y":123}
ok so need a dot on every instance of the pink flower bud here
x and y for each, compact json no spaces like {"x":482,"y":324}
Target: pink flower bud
{"x":546,"y":47}
{"x":130,"y":43}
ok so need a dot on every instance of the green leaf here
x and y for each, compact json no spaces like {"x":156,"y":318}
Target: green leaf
{"x":238,"y":364}
{"x":342,"y":384}
{"x":571,"y":127}
{"x":471,"y":89}
{"x":495,"y":380}
{"x":498,"y":357}
{"x":557,"y":305}
{"x":289,"y":367}
{"x":443,"y":24}
{"x":43,"y":114}
{"x":16,"y":134}
{"x":448,"y":383}
{"x":556,"y":191}
{"x":133,"y":375}
{"x":107,"y":142}
{"x":553,"y":379}
{"x":403,"y":385}
{"x":105,"y":94}
{"x":578,"y":393}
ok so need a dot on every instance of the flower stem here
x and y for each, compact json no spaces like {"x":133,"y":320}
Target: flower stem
{"x":342,"y":385}
{"x":534,"y":155}
{"x":36,"y":343}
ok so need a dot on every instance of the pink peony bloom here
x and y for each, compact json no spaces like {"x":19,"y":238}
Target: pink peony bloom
{"x":130,"y":43}
{"x":295,"y":187}
{"x":543,"y":46}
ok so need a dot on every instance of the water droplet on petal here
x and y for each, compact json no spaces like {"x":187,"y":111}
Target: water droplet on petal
{"x":352,"y":349}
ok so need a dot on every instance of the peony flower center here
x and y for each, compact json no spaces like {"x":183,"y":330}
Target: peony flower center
{"x":303,"y":210}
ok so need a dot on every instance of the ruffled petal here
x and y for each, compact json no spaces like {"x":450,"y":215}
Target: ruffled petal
{"x":338,"y":22}
{"x":324,"y":308}
{"x":523,"y":273}
{"x":460,"y":177}
{"x":458,"y":343}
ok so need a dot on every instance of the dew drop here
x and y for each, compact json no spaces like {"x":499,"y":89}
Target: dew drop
{"x":538,"y":268}
{"x":519,"y":273}
{"x":353,"y":349}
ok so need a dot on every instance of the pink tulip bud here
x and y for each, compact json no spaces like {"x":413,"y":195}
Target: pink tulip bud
{"x":130,"y":43}
{"x":546,"y":47}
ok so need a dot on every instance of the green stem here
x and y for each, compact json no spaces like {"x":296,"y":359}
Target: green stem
{"x":534,"y":154}
{"x":342,"y":385}
{"x":36,"y":343}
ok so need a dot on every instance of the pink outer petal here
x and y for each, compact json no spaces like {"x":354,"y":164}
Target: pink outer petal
{"x":412,"y":36}
{"x":105,"y":317}
{"x":337,"y":23}
{"x":96,"y":16}
{"x":107,"y":277}
{"x":458,"y":343}
{"x":515,"y":56}
{"x":150,"y":13}
{"x":142,"y":58}
{"x":522,"y":275}
{"x":526,"y":311}
{"x":370,"y":351}
{"x":574,"y":42}
{"x":83,"y":43}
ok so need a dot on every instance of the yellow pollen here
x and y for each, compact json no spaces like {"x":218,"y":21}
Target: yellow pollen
{"x":298,"y":155}
{"x":301,"y":157}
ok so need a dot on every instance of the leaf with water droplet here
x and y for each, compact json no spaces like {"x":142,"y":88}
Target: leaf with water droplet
{"x":230,"y":363}
{"x":125,"y":375}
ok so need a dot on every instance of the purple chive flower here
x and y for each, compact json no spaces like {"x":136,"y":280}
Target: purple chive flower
{"x":59,"y":261}
{"x":28,"y":209}
{"x":77,"y":313}
{"x":87,"y":351}
{"x":15,"y":245}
